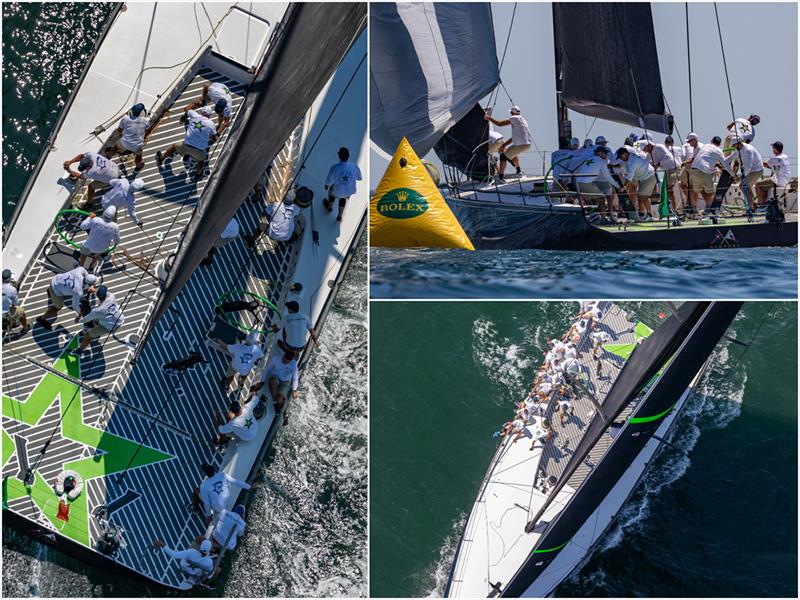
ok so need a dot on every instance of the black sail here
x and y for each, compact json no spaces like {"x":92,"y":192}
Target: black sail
{"x":607,"y":63}
{"x":647,"y":359}
{"x":315,"y":36}
{"x":714,"y":319}
{"x":466,"y":145}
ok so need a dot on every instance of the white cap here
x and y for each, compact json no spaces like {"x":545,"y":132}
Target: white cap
{"x":575,"y":142}
{"x":109,"y":213}
{"x":206,"y":110}
{"x":90,"y":279}
{"x":137,"y":184}
{"x":252,"y":337}
{"x":588,"y":142}
{"x":515,"y":110}
{"x":692,"y":136}
{"x":599,"y":139}
{"x":205,"y":546}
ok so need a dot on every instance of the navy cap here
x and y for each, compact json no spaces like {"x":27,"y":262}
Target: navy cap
{"x":85,"y":163}
{"x":137,"y":109}
{"x":102,"y":292}
{"x":220,"y":105}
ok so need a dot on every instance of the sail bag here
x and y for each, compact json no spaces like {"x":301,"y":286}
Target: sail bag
{"x":407,"y":210}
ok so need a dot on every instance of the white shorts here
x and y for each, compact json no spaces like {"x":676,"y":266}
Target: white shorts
{"x":514,"y":151}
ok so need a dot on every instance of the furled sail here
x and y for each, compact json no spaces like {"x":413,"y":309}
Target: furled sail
{"x":466,"y":145}
{"x":649,"y":356}
{"x":713,"y":320}
{"x":314,"y":38}
{"x":607,"y":63}
{"x":429,"y":64}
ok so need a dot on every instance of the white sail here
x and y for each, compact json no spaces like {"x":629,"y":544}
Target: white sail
{"x":429,"y":64}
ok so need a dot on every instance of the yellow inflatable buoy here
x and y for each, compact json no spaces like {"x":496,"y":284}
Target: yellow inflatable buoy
{"x":407,"y":209}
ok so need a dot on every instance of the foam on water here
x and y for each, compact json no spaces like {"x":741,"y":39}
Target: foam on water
{"x":500,"y":360}
{"x":439,"y":575}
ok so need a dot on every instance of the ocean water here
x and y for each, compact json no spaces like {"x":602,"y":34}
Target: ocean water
{"x":307,"y":522}
{"x":715,"y":516}
{"x":762,"y":273}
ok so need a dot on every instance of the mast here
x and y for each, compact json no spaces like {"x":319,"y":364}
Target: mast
{"x":563,"y":123}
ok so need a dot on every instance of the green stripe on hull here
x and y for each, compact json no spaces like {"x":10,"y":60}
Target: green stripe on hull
{"x":542,"y":551}
{"x":651,"y":418}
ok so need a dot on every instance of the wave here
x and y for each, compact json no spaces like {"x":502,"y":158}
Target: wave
{"x":436,"y":578}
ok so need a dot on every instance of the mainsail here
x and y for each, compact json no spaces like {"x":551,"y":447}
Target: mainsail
{"x":607,"y":63}
{"x":429,"y":64}
{"x":711,"y":322}
{"x":647,"y":359}
{"x":314,"y":38}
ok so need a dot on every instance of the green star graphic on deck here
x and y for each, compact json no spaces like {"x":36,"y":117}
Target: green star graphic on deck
{"x":112,"y":454}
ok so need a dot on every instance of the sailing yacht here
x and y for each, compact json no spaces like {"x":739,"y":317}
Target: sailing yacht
{"x":432,"y":63}
{"x":542,"y":507}
{"x":131,"y":420}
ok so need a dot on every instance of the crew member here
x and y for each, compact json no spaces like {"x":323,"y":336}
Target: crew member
{"x":99,"y":170}
{"x":222,"y":99}
{"x":102,"y":319}
{"x":521,"y":140}
{"x":103,"y":235}
{"x":742,"y":129}
{"x":243,"y":359}
{"x":194,"y":562}
{"x":278,"y":221}
{"x":296,"y":326}
{"x":781,"y":173}
{"x":200,"y":133}
{"x":13,"y":313}
{"x":751,"y":163}
{"x":74,"y":284}
{"x":701,"y":172}
{"x":341,"y":182}
{"x":121,"y":195}
{"x":642,"y":180}
{"x":663,"y":158}
{"x":214,"y":492}
{"x":230,"y":233}
{"x":131,"y":131}
{"x":240,"y":424}
{"x":281,"y":376}
{"x":230,"y":527}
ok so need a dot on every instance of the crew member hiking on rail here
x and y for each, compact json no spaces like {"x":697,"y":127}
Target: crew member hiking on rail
{"x":281,"y":376}
{"x":74,"y":284}
{"x":279,"y":220}
{"x":13,"y":313}
{"x":243,"y":359}
{"x":781,"y":173}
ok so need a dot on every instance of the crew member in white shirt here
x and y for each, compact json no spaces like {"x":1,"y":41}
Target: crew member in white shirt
{"x":282,"y":377}
{"x":642,"y":180}
{"x":742,"y":129}
{"x":72,"y":284}
{"x":214,"y":492}
{"x":200,"y":133}
{"x":594,"y":182}
{"x":781,"y":173}
{"x":664,"y":159}
{"x":296,"y":327}
{"x":102,"y":319}
{"x":131,"y":131}
{"x":560,"y":162}
{"x":243,"y":358}
{"x":193,"y":562}
{"x":520,"y":142}
{"x":13,"y":313}
{"x":495,"y":137}
{"x":341,"y":182}
{"x":230,"y":233}
{"x":701,"y":172}
{"x":103,"y":235}
{"x":222,"y":99}
{"x":121,"y":195}
{"x":240,"y":424}
{"x":746,"y":158}
{"x":97,"y":169}
{"x":230,"y":527}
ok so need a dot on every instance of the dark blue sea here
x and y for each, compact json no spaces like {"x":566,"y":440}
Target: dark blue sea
{"x":742,"y":273}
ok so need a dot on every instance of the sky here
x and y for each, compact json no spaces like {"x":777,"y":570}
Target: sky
{"x":761,"y":49}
